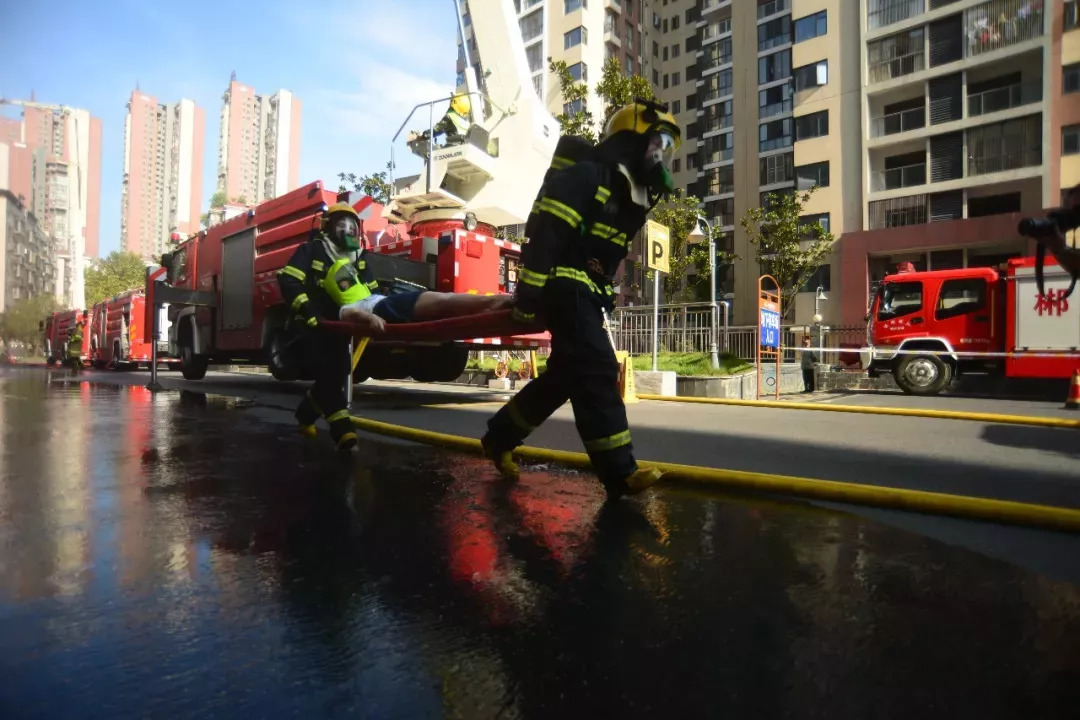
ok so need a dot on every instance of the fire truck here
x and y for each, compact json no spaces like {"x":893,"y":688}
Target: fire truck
{"x":55,"y":329}
{"x":117,"y":331}
{"x":926,"y":328}
{"x":226,"y":305}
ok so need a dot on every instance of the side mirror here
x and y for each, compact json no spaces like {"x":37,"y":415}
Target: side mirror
{"x":166,"y":260}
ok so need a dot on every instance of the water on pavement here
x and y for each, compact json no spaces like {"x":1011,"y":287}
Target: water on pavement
{"x":173,"y":555}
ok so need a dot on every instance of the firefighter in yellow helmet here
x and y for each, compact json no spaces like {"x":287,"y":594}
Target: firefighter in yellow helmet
{"x":327,"y":278}
{"x":585,"y":215}
{"x":455,"y":123}
{"x":75,"y":347}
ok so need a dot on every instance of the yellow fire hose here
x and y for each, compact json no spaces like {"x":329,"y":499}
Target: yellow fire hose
{"x":1003,"y":511}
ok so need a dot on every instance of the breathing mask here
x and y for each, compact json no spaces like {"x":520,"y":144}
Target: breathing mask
{"x":344,"y":231}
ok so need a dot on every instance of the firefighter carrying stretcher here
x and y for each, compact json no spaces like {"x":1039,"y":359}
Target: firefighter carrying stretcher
{"x":585,"y":215}
{"x":327,"y":278}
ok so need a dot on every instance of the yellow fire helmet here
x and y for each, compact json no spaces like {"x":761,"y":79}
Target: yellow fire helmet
{"x":341,"y":207}
{"x":461,"y":105}
{"x":644,"y":117}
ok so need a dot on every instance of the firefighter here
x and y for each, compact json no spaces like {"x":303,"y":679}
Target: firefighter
{"x":328,"y":278}
{"x":455,"y":123}
{"x":322,"y":275}
{"x":584,"y":217}
{"x":74,"y":347}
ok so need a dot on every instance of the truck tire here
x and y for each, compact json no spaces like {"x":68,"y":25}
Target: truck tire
{"x":923,"y":374}
{"x":192,"y":367}
{"x":444,"y":363}
{"x":277,"y":363}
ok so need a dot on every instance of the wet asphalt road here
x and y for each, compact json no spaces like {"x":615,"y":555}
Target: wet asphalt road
{"x":178,"y":555}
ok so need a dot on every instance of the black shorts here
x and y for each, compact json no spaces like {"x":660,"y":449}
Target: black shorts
{"x":398,"y":308}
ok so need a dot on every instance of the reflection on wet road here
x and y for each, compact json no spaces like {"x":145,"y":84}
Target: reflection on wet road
{"x":172,"y":556}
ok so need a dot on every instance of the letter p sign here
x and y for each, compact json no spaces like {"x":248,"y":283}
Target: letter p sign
{"x":658,"y":242}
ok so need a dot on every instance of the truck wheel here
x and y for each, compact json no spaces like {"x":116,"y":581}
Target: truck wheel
{"x":922,"y":374}
{"x":279,"y":368}
{"x":439,"y":364}
{"x":192,"y":366}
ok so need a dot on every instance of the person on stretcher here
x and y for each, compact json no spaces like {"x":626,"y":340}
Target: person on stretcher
{"x":371,"y":313}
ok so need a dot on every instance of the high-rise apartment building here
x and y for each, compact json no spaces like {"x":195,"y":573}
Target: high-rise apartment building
{"x":259,"y":148}
{"x":163,"y":162}
{"x":53,"y":168}
{"x":914,"y":119}
{"x":27,"y":252}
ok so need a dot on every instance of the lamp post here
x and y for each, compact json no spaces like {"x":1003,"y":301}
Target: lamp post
{"x":698,"y":235}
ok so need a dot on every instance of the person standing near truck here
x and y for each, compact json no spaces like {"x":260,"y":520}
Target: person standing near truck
{"x":74,"y":347}
{"x":808,"y":360}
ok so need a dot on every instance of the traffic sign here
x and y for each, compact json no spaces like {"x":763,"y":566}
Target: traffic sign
{"x":658,"y":244}
{"x":770,"y":325}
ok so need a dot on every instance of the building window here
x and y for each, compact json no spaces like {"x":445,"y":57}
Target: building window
{"x":532,"y":26}
{"x":1071,"y":78}
{"x":666,"y":78}
{"x":676,"y":78}
{"x":577,"y":36}
{"x":774,"y":67}
{"x":676,"y":107}
{"x":811,"y":26}
{"x":776,"y":169}
{"x":774,"y":101}
{"x":691,"y":101}
{"x":629,"y":66}
{"x":774,"y":33}
{"x":675,"y":22}
{"x":629,"y":36}
{"x":812,"y":125}
{"x":1070,"y":140}
{"x":665,"y":57}
{"x":675,"y":50}
{"x":812,"y":75}
{"x":570,"y":6}
{"x":774,"y":135}
{"x":821,"y":219}
{"x":655,"y":77}
{"x":579,"y":71}
{"x":812,"y":175}
{"x":573,"y":107}
{"x":676,"y":165}
{"x":822,"y":278}
{"x":655,"y":49}
{"x":1072,"y":16}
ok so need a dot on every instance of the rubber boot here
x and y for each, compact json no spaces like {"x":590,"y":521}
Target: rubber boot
{"x":347,"y":441}
{"x":638,"y":481}
{"x":503,"y":460}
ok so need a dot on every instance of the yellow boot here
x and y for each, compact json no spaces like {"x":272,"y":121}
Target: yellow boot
{"x":309,"y":431}
{"x":638,"y":481}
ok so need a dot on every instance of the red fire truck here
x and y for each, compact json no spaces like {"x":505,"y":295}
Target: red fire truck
{"x":116,"y":330}
{"x":55,"y":331}
{"x":226,"y":305}
{"x":928,"y":327}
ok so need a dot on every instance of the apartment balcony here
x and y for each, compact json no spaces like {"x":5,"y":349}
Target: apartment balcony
{"x":613,"y":5}
{"x":611,"y":32}
{"x":784,"y":107}
{"x":995,"y":162}
{"x":775,"y":7}
{"x":714,"y":124}
{"x":1005,"y":98}
{"x":715,"y":30}
{"x":898,"y":212}
{"x":883,"y":69}
{"x":898,"y":122}
{"x":881,"y":13}
{"x":1000,"y":23}
{"x":717,"y":157}
{"x":896,"y":178}
{"x":708,"y":6}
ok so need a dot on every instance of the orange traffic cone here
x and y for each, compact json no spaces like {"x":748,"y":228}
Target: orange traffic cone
{"x":1072,"y":401}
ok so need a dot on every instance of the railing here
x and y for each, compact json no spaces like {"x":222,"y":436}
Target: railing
{"x":1004,"y":98}
{"x":710,"y":124}
{"x":771,"y":8}
{"x":716,"y":29}
{"x":1001,"y":23}
{"x":775,"y":143}
{"x":896,"y":67}
{"x":718,"y":156}
{"x":898,"y":122}
{"x":901,"y":177}
{"x":1000,"y":162}
{"x":779,"y":108}
{"x":898,"y":212}
{"x":719,"y":188}
{"x":886,"y":12}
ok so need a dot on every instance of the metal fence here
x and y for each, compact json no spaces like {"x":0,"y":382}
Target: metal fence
{"x":689,"y":328}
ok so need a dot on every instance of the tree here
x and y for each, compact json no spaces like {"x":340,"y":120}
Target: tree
{"x":377,"y":185}
{"x":615,"y":89}
{"x":788,"y":247}
{"x":575,"y":94}
{"x":680,"y":215}
{"x":118,"y":272}
{"x":20,"y":321}
{"x":217,"y":200}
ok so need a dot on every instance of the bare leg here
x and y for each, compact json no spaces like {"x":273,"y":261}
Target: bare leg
{"x":436,"y":305}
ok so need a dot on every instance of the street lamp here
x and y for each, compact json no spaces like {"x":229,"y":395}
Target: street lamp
{"x":817,"y":304}
{"x":697,"y":235}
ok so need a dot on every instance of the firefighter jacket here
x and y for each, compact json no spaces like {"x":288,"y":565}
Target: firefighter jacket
{"x":74,"y":343}
{"x":579,"y":230}
{"x":320,"y":278}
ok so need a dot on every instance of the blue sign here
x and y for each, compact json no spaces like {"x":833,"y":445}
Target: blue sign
{"x":770,"y":328}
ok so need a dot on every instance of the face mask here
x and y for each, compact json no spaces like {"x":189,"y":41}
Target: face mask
{"x":657,"y":159}
{"x":345,"y":233}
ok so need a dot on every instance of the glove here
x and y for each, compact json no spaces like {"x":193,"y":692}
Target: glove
{"x":312,"y":322}
{"x":527,"y":300}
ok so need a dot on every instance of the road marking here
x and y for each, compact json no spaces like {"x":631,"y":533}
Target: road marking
{"x":964,"y":506}
{"x":866,"y":410}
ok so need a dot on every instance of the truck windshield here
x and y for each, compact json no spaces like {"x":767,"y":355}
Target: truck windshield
{"x":900,"y":298}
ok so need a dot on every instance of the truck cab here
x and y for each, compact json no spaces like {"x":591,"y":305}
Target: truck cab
{"x":920,"y":322}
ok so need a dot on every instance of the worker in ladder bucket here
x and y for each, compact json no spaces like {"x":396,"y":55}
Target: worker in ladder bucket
{"x":327,"y":278}
{"x":592,"y":203}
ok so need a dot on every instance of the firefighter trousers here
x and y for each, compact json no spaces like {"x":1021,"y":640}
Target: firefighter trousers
{"x":326,"y":356}
{"x":582,"y":369}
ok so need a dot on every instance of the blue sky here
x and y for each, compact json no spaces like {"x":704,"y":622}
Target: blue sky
{"x":358,"y":71}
